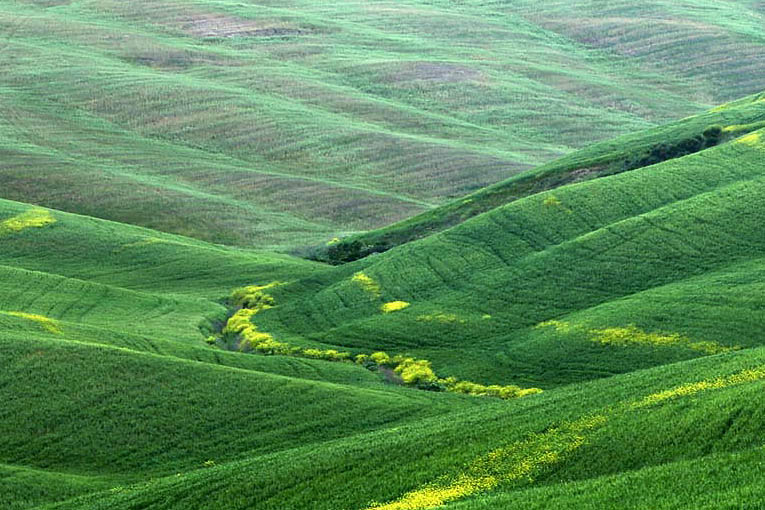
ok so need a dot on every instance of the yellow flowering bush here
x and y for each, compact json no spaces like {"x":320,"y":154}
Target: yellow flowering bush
{"x":414,"y":371}
{"x":327,"y":355}
{"x":394,"y":306}
{"x":381,"y":358}
{"x":253,"y":296}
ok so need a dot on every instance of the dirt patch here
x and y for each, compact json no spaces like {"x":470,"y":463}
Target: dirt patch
{"x":441,"y":72}
{"x":219,"y":25}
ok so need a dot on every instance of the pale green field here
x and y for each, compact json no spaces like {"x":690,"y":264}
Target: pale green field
{"x":283,"y":125}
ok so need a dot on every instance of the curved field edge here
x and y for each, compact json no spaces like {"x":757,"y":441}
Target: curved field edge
{"x":600,"y":159}
{"x":96,"y":410}
{"x":530,"y":262}
{"x":348,"y":474}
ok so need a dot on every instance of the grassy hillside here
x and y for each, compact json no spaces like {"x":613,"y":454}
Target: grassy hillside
{"x":280,"y":126}
{"x":102,"y":330}
{"x":625,"y":153}
{"x":641,"y":426}
{"x":631,"y":255}
{"x":585,"y":332}
{"x":633,"y":300}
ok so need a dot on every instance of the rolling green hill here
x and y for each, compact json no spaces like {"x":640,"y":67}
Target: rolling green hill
{"x":628,"y":152}
{"x":544,"y":294}
{"x":281,"y":126}
{"x":102,"y":335}
{"x":633,"y":300}
{"x":658,"y":425}
{"x":633,"y":254}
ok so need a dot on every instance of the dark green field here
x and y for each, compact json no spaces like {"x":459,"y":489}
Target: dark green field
{"x":382,"y":255}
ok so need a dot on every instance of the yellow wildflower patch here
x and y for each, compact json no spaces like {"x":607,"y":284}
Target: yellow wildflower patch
{"x":560,"y":326}
{"x":751,"y":139}
{"x":443,"y":318}
{"x":432,"y":497}
{"x":147,"y":241}
{"x":34,"y":218}
{"x":394,"y":306}
{"x":743,"y":377}
{"x":367,"y":283}
{"x":519,"y":461}
{"x":46,"y":323}
{"x":634,"y":335}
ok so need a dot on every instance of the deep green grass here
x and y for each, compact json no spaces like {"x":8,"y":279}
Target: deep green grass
{"x":725,"y":481}
{"x":279,"y":125}
{"x":673,"y":242}
{"x":282,"y":126}
{"x":91,"y":410}
{"x":22,"y":487}
{"x":381,"y":466}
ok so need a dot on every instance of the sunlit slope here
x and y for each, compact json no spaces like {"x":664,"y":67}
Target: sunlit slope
{"x":284,"y":125}
{"x":107,"y":380}
{"x":731,"y":481}
{"x":134,"y":258}
{"x":621,"y":154}
{"x":77,"y":278}
{"x":680,"y":420}
{"x":645,"y":252}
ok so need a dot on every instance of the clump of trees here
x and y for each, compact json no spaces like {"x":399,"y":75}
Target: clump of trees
{"x":341,"y":252}
{"x":666,"y":151}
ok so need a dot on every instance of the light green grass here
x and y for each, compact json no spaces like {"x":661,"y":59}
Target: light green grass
{"x":281,"y":126}
{"x":601,"y":159}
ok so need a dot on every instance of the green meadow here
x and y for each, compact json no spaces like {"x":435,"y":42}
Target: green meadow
{"x":281,"y":126}
{"x":429,"y":254}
